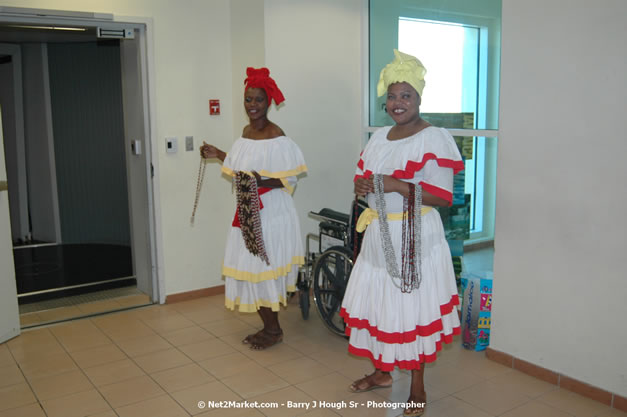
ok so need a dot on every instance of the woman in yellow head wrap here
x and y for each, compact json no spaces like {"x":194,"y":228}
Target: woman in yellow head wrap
{"x":400,"y":303}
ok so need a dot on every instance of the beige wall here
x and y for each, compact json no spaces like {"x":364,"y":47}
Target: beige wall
{"x":314,"y":51}
{"x":560,"y":287}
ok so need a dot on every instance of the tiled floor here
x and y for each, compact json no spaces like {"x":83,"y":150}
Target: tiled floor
{"x":161,"y":361}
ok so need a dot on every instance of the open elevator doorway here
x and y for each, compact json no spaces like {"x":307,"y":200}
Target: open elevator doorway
{"x":78,"y":166}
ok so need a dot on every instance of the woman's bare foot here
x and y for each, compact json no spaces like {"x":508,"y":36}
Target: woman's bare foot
{"x":377,"y":379}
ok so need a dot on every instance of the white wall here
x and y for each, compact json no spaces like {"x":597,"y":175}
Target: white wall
{"x":313,"y":50}
{"x":560,"y":287}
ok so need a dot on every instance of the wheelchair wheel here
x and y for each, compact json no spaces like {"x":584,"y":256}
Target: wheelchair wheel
{"x":304,"y":304}
{"x":330,"y":277}
{"x":303,"y":293}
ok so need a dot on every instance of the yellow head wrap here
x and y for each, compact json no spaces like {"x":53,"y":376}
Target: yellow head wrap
{"x":404,"y":68}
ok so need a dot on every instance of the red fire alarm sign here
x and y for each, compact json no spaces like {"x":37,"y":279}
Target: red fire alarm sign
{"x":214,"y":107}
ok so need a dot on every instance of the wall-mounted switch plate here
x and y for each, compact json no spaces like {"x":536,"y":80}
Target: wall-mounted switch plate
{"x":189,"y":143}
{"x":171,"y":145}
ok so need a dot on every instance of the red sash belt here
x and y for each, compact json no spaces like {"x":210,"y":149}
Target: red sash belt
{"x":261,"y":190}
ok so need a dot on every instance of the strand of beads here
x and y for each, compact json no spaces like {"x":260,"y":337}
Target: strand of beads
{"x":384,"y":230}
{"x":199,"y":181}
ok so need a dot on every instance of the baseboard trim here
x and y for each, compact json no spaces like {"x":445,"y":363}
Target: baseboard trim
{"x":563,"y":381}
{"x":192,"y":295}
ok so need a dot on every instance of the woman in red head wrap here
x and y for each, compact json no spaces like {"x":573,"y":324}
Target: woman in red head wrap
{"x":264,"y":248}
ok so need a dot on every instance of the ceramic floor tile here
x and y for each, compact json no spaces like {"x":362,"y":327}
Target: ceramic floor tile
{"x":60,"y":385}
{"x":492,"y":398}
{"x":572,"y":403}
{"x":17,"y":395}
{"x":300,"y":370}
{"x":289,"y":402}
{"x":6,"y":358}
{"x":535,"y":408}
{"x":321,"y":413}
{"x":187,"y":336}
{"x":453,"y":407}
{"x":31,"y":410}
{"x":198,"y":399}
{"x":206,"y":350}
{"x":523,"y":383}
{"x":163,"y":406}
{"x":227,"y":326}
{"x":228,"y":365}
{"x":32,"y":345}
{"x":130,"y":391}
{"x":84,"y":340}
{"x":153,"y":312}
{"x":162,"y":360}
{"x":209,"y":314}
{"x":112,"y":372}
{"x":119,"y":327}
{"x":449,"y":379}
{"x":255,"y":381}
{"x":169,"y":323}
{"x":105,"y":414}
{"x":48,"y":365}
{"x":72,"y":328}
{"x":97,"y":356}
{"x":272,"y":355}
{"x":182,"y":377}
{"x":482,"y":366}
{"x":143,"y":345}
{"x":332,"y":387}
{"x":231,"y":412}
{"x":82,"y":404}
{"x":612,"y":413}
{"x":10,"y":375}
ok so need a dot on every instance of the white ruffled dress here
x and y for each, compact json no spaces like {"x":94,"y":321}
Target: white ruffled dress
{"x":249,"y":282}
{"x":392,"y":328}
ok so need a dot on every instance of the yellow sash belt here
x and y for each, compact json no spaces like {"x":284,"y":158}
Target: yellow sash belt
{"x":368,"y":215}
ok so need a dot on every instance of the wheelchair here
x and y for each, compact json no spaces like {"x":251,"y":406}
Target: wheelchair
{"x":328,"y":269}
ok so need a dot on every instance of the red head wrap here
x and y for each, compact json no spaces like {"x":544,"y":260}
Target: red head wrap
{"x":260,"y":78}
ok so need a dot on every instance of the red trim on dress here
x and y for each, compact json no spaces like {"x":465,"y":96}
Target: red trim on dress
{"x":437,"y":191}
{"x":411,"y":167}
{"x":400,"y":337}
{"x":408,"y":365}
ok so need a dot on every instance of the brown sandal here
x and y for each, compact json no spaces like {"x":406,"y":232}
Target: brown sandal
{"x":354,"y":386}
{"x":415,"y":411}
{"x":266,"y":340}
{"x":251,"y":337}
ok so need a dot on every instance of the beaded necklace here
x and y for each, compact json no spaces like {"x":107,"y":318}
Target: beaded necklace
{"x":409,"y":277}
{"x":201,"y":177}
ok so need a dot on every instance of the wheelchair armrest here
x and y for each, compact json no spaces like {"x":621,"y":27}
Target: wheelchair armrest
{"x":332,"y":215}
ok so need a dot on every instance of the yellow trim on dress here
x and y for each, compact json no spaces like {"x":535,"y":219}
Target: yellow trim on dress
{"x":368,"y":215}
{"x":252,"y":308}
{"x":286,"y":186}
{"x":278,"y":174}
{"x":265,"y":275}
